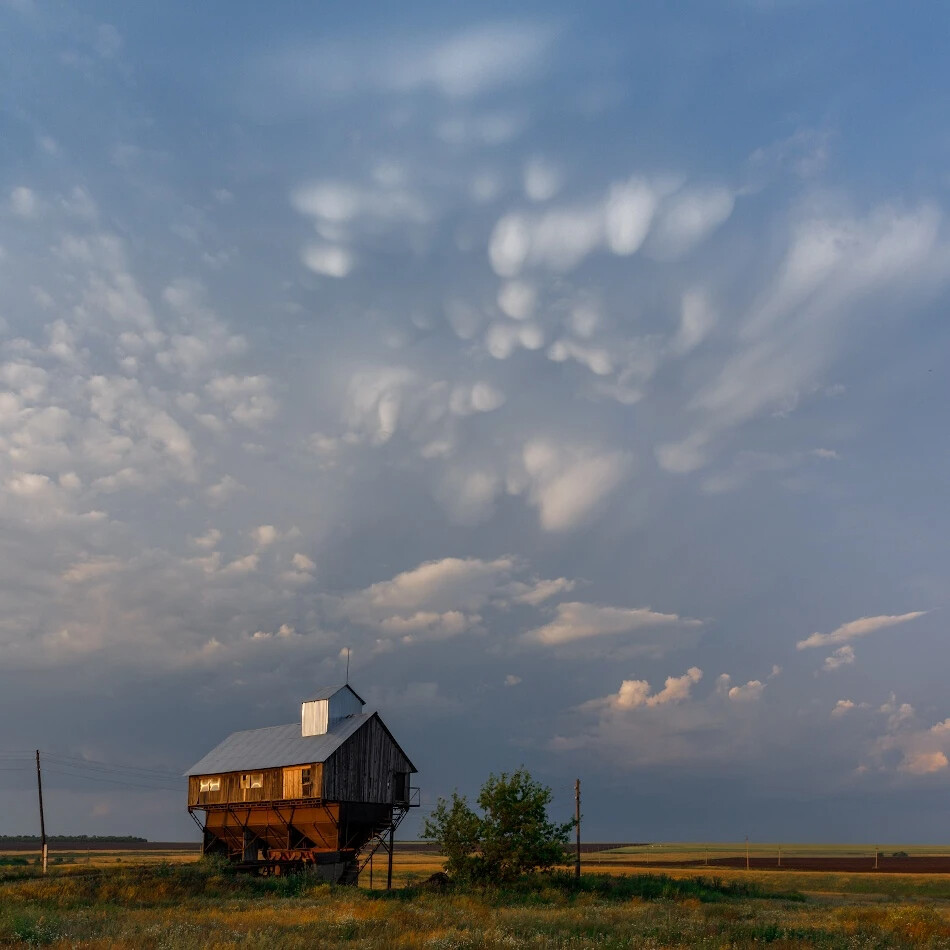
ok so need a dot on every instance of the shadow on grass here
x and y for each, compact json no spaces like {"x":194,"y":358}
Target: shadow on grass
{"x":561,"y":885}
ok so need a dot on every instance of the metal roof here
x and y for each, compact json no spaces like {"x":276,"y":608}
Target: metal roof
{"x":275,"y":746}
{"x":325,"y":692}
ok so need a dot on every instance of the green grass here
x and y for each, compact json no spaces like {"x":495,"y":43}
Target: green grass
{"x":205,"y":904}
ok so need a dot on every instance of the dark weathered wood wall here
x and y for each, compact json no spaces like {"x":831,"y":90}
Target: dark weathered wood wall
{"x":362,"y":769}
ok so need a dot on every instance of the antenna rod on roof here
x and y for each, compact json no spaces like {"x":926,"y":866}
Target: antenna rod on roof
{"x":347,"y":666}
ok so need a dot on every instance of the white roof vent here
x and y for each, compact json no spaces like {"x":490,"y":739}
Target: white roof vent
{"x":330,"y":704}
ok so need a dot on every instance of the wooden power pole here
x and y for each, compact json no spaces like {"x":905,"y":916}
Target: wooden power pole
{"x":577,"y":828}
{"x":39,"y":789}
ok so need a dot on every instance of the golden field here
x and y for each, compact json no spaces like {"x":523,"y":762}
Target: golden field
{"x":169,"y":899}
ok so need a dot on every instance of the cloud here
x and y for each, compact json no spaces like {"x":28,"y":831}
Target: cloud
{"x":667,"y":220}
{"x":328,"y":259}
{"x":512,"y":680}
{"x":688,"y":217}
{"x":843,"y":707}
{"x":23,"y":202}
{"x":207,"y":541}
{"x":91,"y":569}
{"x":567,"y":483}
{"x":471,"y":62}
{"x":458,"y":66}
{"x":248,"y":399}
{"x":635,"y":693}
{"x":696,"y":321}
{"x":856,"y":628}
{"x":447,"y":584}
{"x":539,"y":591}
{"x":580,"y":621}
{"x":748,"y":692}
{"x":542,"y":180}
{"x":835,"y":270}
{"x":517,"y":299}
{"x":908,"y":747}
{"x":843,"y":656}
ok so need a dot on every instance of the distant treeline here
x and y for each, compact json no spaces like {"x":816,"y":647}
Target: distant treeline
{"x":71,"y":839}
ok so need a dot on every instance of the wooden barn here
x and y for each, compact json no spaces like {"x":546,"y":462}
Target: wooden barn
{"x":327,"y":791}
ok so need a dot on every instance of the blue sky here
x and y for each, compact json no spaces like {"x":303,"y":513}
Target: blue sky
{"x":581,"y":367}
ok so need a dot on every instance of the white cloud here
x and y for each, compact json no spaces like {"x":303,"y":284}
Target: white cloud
{"x":696,"y":321}
{"x":517,"y":299}
{"x":856,"y":628}
{"x":448,"y":584}
{"x":597,"y":359}
{"x":23,"y":202}
{"x":687,"y":218}
{"x":512,"y":680}
{"x":748,"y":692}
{"x":542,"y":180}
{"x":248,"y":399}
{"x":207,"y":541}
{"x":303,"y":563}
{"x":426,"y":625}
{"x":537,"y":592}
{"x":834,"y":270}
{"x":242,"y":565}
{"x":222,"y":491}
{"x":265,"y":535}
{"x":580,"y":621}
{"x":91,"y":569}
{"x":568,"y":483}
{"x":843,"y":656}
{"x":843,"y":707}
{"x":630,"y":210}
{"x":471,"y":62}
{"x":632,"y":214}
{"x":634,"y":694}
{"x":328,"y":259}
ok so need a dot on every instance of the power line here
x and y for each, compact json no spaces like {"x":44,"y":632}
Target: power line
{"x":111,"y":781}
{"x":115,"y":766}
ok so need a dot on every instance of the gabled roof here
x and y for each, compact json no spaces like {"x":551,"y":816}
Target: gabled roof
{"x":276,"y":746}
{"x":325,"y":692}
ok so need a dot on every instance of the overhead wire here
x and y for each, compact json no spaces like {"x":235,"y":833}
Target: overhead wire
{"x":112,"y":781}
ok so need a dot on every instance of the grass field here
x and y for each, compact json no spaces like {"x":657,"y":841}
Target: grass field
{"x":154,"y":899}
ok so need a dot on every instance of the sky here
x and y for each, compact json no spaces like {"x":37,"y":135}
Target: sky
{"x":579,"y":367}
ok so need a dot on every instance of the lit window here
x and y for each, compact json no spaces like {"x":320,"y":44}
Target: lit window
{"x":210,"y":784}
{"x":252,"y":780}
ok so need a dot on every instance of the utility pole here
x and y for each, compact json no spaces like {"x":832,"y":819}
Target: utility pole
{"x":577,"y":828}
{"x":39,"y":789}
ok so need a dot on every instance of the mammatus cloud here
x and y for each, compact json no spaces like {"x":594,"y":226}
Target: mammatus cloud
{"x":854,"y":629}
{"x":567,"y":483}
{"x":671,"y":219}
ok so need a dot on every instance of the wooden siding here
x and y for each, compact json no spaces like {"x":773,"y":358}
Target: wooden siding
{"x":273,"y":789}
{"x":363,"y":768}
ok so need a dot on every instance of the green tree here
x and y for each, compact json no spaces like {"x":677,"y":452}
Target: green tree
{"x":512,"y":836}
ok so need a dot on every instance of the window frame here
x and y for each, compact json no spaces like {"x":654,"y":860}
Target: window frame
{"x":209,"y":783}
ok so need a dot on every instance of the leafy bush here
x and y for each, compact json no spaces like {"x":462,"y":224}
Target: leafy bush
{"x":513,"y":835}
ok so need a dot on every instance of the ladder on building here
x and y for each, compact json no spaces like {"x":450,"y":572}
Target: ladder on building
{"x":381,"y":837}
